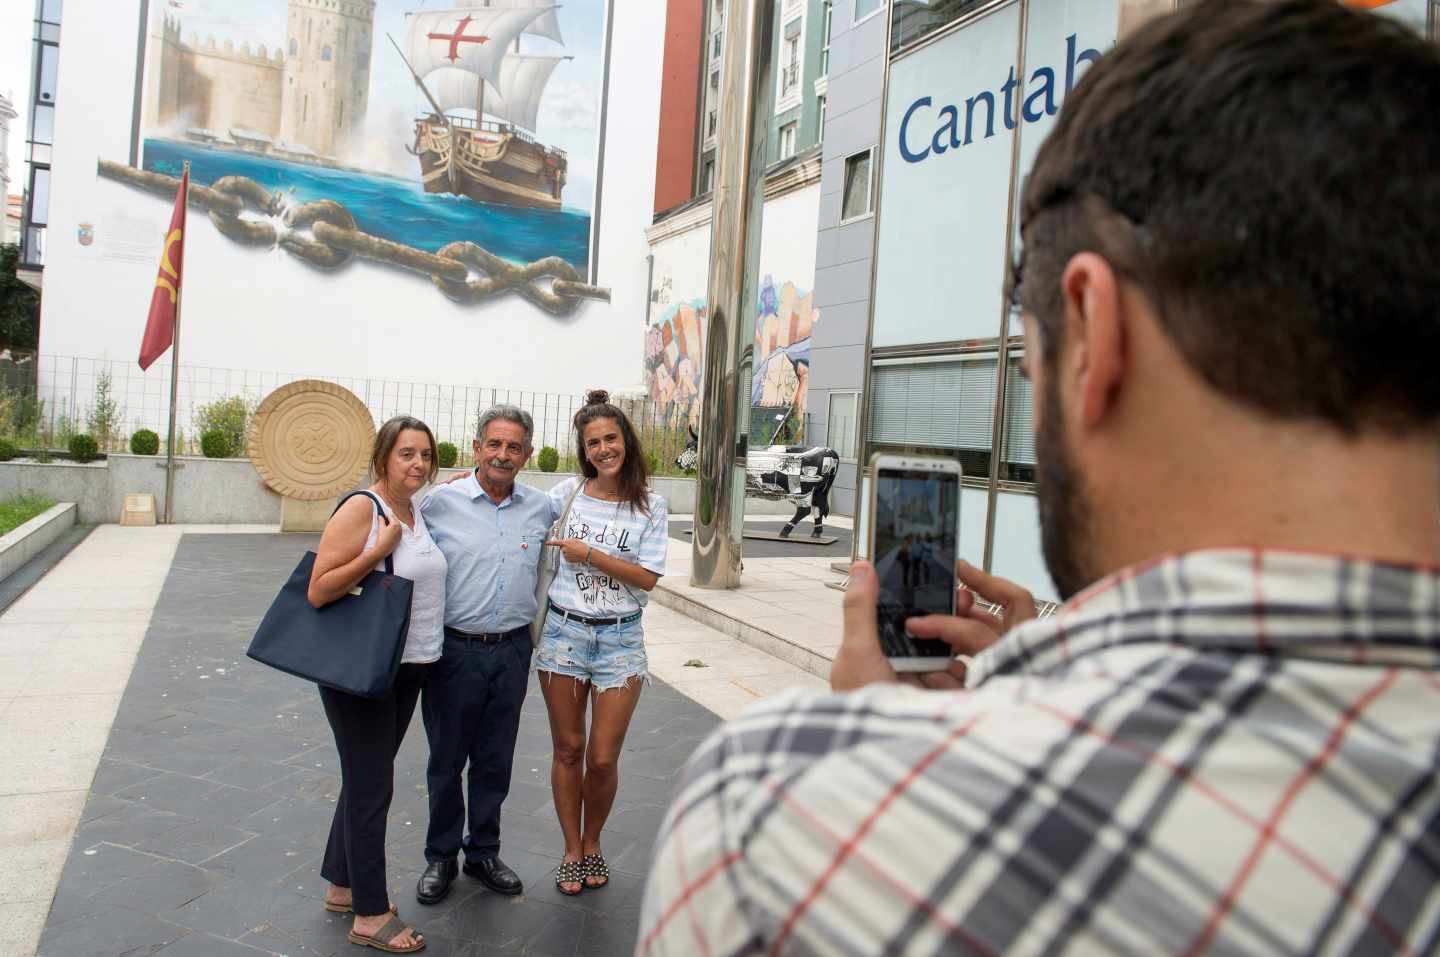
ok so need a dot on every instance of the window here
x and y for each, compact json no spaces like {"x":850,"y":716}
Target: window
{"x":49,"y":66}
{"x":1019,"y":426}
{"x":787,"y":141}
{"x":944,"y":406}
{"x":325,"y":53}
{"x":825,"y":38}
{"x":40,"y":196}
{"x":716,"y":44}
{"x":840,"y":431}
{"x":712,"y":123}
{"x":42,"y":125}
{"x":707,"y":176}
{"x":294,"y":47}
{"x":855,"y":192}
{"x":790,"y":69}
{"x":864,"y":8}
{"x":820,"y":119}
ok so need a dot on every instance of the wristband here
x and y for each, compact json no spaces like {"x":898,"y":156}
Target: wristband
{"x":589,"y":551}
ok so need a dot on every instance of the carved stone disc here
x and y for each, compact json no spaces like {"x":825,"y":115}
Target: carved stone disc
{"x":311,"y":440}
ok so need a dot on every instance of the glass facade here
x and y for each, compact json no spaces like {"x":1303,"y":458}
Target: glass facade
{"x":41,"y":125}
{"x":959,"y":118}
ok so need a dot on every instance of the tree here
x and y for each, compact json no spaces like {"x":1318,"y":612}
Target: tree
{"x":19,"y":304}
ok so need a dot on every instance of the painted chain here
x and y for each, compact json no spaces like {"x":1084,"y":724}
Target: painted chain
{"x":325,"y":234}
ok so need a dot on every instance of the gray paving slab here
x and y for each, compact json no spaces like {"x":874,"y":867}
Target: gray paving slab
{"x":205,"y":823}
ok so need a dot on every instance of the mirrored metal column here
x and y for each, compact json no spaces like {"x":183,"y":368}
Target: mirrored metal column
{"x":747,"y":86}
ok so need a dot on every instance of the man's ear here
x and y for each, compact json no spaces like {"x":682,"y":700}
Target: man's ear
{"x":1094,"y":325}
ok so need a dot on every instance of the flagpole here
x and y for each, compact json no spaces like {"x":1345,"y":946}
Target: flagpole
{"x":175,"y":376}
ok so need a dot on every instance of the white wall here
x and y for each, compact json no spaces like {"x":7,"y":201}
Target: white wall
{"x":263,"y":309}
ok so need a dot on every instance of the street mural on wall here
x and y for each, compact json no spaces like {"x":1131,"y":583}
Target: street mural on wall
{"x":675,"y":351}
{"x":457,"y":139}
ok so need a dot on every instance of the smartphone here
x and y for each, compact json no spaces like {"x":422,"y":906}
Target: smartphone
{"x":914,"y":526}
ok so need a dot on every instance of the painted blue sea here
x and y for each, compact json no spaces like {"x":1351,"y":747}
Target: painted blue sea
{"x":397,"y":209}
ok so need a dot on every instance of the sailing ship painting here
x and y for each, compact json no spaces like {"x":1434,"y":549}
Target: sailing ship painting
{"x":430,"y":121}
{"x":469,"y":59}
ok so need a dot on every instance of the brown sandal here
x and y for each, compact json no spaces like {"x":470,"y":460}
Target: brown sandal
{"x":384,"y":938}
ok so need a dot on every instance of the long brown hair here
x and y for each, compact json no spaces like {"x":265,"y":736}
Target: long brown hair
{"x":634,"y":472}
{"x":389,"y":434}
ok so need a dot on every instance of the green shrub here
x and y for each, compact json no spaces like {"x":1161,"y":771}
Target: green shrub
{"x":145,"y":442}
{"x":105,"y":415}
{"x":229,"y":415}
{"x":652,"y":461}
{"x":83,"y":447}
{"x":7,"y":450}
{"x":215,"y":444}
{"x":448,"y":454}
{"x":548,"y":460}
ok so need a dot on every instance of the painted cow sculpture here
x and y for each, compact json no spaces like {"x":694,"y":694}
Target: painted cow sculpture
{"x":798,"y":474}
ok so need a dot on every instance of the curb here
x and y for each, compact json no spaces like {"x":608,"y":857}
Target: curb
{"x":22,"y":544}
{"x":757,"y":638}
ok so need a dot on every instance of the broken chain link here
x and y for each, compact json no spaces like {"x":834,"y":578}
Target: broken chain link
{"x":325,"y":234}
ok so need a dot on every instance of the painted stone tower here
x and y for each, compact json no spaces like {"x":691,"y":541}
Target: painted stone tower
{"x":326,"y":86}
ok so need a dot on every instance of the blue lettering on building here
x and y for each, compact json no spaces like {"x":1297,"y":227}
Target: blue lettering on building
{"x":954,"y":125}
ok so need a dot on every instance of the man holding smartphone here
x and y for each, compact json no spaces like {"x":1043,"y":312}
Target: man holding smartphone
{"x":1226,"y":739}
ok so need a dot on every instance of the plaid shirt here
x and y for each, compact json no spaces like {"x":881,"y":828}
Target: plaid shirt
{"x":1227,"y":752}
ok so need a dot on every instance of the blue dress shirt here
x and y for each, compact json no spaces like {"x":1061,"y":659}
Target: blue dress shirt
{"x":493,"y":550}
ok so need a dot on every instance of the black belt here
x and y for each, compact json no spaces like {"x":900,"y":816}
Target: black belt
{"x":593,"y":622}
{"x":485,"y":637}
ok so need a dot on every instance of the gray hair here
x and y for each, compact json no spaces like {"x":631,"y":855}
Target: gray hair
{"x":506,"y":413}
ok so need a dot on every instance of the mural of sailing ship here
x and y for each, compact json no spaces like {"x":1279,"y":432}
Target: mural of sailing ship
{"x":430,"y":121}
{"x":468,"y":58}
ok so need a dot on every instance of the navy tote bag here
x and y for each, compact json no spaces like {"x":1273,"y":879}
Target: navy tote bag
{"x":352,"y":644}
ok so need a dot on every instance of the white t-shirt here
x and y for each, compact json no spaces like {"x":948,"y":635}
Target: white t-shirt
{"x":419,"y":559}
{"x":616,"y":529}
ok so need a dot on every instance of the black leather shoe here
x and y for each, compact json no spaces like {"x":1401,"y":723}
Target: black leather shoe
{"x":434,"y":884}
{"x":495,"y":874}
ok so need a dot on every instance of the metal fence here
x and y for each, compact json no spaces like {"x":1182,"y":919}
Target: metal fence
{"x":45,"y":399}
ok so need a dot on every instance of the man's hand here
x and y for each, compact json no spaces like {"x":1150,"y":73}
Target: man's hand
{"x":969,"y":631}
{"x":457,"y":477}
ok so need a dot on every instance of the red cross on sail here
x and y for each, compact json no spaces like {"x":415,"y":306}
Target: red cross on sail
{"x":457,"y":38}
{"x":471,"y":39}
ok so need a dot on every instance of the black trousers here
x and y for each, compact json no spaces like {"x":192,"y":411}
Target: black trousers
{"x":472,"y":714}
{"x":368,"y":733}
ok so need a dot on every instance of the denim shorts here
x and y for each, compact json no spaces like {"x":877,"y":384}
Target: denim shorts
{"x":607,"y":656}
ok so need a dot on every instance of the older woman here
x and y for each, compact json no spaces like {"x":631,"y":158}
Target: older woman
{"x":593,"y":645}
{"x":368,"y":731}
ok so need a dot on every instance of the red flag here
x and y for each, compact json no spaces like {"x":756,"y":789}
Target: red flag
{"x":165,"y":300}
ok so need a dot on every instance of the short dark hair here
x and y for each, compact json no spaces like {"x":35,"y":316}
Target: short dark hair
{"x":1268,"y":173}
{"x":389,"y":434}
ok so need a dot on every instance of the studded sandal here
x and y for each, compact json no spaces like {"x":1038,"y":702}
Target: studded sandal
{"x":570,"y":872}
{"x":595,"y":866}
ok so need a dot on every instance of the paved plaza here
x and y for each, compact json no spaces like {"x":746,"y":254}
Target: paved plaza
{"x":182,"y":793}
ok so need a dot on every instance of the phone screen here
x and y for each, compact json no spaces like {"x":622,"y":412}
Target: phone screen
{"x":915,"y":546}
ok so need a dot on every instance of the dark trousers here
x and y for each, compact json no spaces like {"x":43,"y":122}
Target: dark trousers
{"x":472,"y":713}
{"x":368,"y":732}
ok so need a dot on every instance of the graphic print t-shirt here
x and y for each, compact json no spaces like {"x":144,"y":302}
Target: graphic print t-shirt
{"x":616,"y":529}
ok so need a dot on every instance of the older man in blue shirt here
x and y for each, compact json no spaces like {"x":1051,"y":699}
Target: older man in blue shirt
{"x":491,"y":530}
